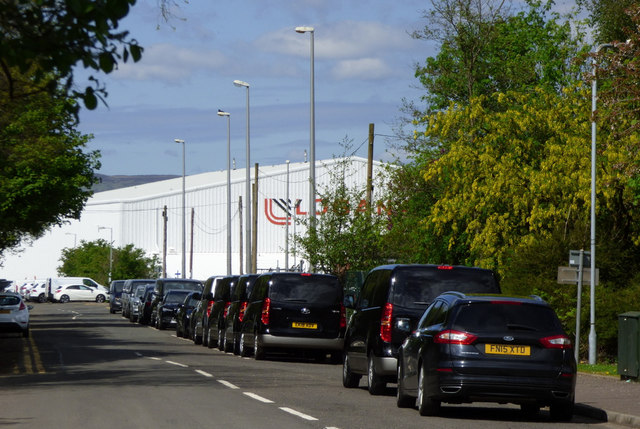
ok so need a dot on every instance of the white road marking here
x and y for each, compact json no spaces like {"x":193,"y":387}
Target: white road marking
{"x":138,"y":354}
{"x":229,"y":385}
{"x":298,"y":413}
{"x":154,"y":358}
{"x":201,"y":372}
{"x":258,"y":397}
{"x":177,"y":364}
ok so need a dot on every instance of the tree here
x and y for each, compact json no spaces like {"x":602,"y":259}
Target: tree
{"x":91,"y":259}
{"x":610,"y":19}
{"x":45,"y":177}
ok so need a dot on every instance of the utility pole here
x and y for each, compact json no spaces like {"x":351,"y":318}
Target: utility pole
{"x":254,"y":230}
{"x":164,"y":242}
{"x":370,"y":167}
{"x":240,"y":238}
{"x":191,"y":247}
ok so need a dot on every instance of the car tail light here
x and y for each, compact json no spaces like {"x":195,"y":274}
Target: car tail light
{"x":226,"y":310}
{"x":557,"y":342}
{"x":445,"y":267}
{"x":266,"y":306}
{"x":243,"y":308}
{"x":210,"y":307}
{"x":454,"y":337}
{"x":385,"y":322}
{"x":343,"y":317}
{"x":22,"y":306}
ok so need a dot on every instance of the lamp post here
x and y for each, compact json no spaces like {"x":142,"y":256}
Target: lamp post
{"x":100,"y":228}
{"x":184,"y":219}
{"x":592,"y":274}
{"x":228,"y":116}
{"x":312,"y":136}
{"x":75,"y":237}
{"x":248,"y":267}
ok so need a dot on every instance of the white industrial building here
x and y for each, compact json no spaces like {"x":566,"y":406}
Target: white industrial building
{"x":134,"y":215}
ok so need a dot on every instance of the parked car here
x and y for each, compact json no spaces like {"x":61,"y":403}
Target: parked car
{"x":213,"y":333}
{"x":144,"y":306}
{"x":54,"y":283}
{"x":488,"y":348}
{"x":200,"y":316}
{"x":115,"y":293}
{"x":128,"y":289}
{"x":66,"y":293}
{"x":134,"y":301}
{"x":166,"y":311}
{"x":184,"y":312}
{"x":14,"y":314}
{"x":294,"y":311}
{"x":235,"y":312}
{"x":38,"y":291}
{"x":391,"y":301}
{"x":162,"y":286}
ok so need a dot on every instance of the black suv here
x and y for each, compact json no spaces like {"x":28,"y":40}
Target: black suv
{"x":200,"y":315}
{"x":213,"y":334}
{"x":115,"y":292}
{"x":162,"y":286}
{"x":489,"y":348}
{"x":166,"y":311}
{"x":293,"y":311}
{"x":391,"y":301}
{"x":235,"y":313}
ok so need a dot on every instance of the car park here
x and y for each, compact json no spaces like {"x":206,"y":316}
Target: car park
{"x":164,"y":285}
{"x":128,"y":289}
{"x":66,"y":293}
{"x":391,"y":301}
{"x":290,"y":311}
{"x":166,"y":310}
{"x":14,"y":314}
{"x":488,"y":348}
{"x":134,"y":302}
{"x":115,"y":294}
{"x":213,"y":333}
{"x":235,"y":312}
{"x":144,"y":306}
{"x":184,"y":312}
{"x":200,"y":316}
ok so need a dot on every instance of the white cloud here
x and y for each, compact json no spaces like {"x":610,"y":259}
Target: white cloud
{"x":364,"y":68}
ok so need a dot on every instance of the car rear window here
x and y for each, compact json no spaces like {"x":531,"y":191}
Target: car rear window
{"x":182,"y":286}
{"x":491,"y":317}
{"x":176,"y":297}
{"x":9,"y":300}
{"x":319,"y":290}
{"x":415,"y":288}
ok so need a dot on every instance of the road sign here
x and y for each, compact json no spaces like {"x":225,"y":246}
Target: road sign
{"x":569,"y":275}
{"x":574,"y":258}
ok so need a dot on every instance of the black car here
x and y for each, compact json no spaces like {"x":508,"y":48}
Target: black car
{"x":184,"y":312}
{"x":294,"y":311}
{"x":488,"y":348}
{"x":166,"y":310}
{"x":134,"y":301}
{"x":115,"y":293}
{"x":235,"y":312}
{"x":391,"y":301}
{"x":213,"y":333}
{"x":162,"y":286}
{"x":200,"y":316}
{"x":128,"y":289}
{"x":144,"y":306}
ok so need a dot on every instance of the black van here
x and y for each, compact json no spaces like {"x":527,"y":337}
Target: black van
{"x":235,"y":313}
{"x":390,"y":303}
{"x":162,"y":286}
{"x":293,"y":311}
{"x":213,"y":333}
{"x":115,"y":293}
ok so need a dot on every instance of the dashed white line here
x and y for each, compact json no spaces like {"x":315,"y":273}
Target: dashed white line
{"x":229,"y":385}
{"x":206,"y":374}
{"x":154,"y":358}
{"x":258,"y":397}
{"x":177,"y":364}
{"x":298,"y":413}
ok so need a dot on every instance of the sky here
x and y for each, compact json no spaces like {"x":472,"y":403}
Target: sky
{"x":364,"y":60}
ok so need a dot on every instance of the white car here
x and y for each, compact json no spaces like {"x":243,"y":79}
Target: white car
{"x":14,"y":314}
{"x":66,"y":293}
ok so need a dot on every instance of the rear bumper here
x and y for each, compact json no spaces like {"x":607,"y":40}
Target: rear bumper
{"x":272,"y":341}
{"x":14,"y":326}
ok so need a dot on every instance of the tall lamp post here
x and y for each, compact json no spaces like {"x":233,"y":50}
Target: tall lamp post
{"x":592,"y":274}
{"x":247,"y":191}
{"x":312,"y":136}
{"x":228,"y":116}
{"x":184,"y":216}
{"x":75,"y":237}
{"x":100,"y":228}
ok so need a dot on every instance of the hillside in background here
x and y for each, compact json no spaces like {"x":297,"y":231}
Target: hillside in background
{"x":108,"y":183}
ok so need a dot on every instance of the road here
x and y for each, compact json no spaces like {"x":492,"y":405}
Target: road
{"x":85,"y":368}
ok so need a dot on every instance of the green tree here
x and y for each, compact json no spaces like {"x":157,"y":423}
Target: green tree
{"x":610,"y":18}
{"x":91,"y":259}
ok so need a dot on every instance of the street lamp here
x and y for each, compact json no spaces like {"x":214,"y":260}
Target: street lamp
{"x":100,"y":228}
{"x":75,"y":237}
{"x":312,"y":138}
{"x":184,"y":216}
{"x":228,"y":115}
{"x":592,"y":274}
{"x":248,"y":268}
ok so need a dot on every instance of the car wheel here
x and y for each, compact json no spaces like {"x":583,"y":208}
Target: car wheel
{"x":402,"y":399}
{"x":562,"y":410}
{"x":349,"y":379}
{"x":64,"y":298}
{"x":221,"y":340}
{"x":100,"y":298}
{"x":258,"y":349}
{"x":42,"y":298}
{"x":229,"y":346}
{"x":530,"y":409}
{"x":376,"y":383}
{"x":159,"y":323}
{"x":197,"y":339}
{"x":426,"y":405}
{"x":243,"y":350}
{"x":112,"y":311}
{"x":25,"y":333}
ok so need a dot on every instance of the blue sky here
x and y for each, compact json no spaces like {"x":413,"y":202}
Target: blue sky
{"x":364,"y":67}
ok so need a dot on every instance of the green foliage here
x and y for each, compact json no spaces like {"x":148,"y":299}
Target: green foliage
{"x":91,"y":259}
{"x":609,"y":19}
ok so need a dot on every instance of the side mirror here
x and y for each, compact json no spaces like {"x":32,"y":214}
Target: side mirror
{"x":30,"y":307}
{"x":350,"y":301}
